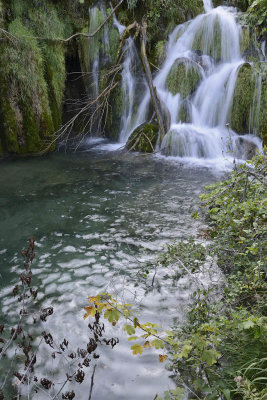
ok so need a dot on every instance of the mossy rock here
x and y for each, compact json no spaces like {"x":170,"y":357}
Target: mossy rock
{"x":114,"y":41}
{"x":183,"y":77}
{"x":243,"y":99}
{"x":184,"y":113}
{"x":143,"y":138}
{"x":250,"y":47}
{"x":112,"y":128}
{"x":158,"y":54}
{"x":209,"y":45}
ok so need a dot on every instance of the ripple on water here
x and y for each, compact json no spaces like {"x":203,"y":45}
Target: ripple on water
{"x":97,"y":217}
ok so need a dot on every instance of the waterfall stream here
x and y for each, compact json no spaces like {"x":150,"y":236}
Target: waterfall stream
{"x":196,"y":84}
{"x":206,"y":132}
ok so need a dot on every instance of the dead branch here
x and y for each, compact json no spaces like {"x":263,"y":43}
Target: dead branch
{"x":125,"y":34}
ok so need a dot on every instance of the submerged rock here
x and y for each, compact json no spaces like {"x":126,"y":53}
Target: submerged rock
{"x":183,"y":77}
{"x":143,"y":138}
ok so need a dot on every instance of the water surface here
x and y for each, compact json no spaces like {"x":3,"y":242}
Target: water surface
{"x":96,"y":216}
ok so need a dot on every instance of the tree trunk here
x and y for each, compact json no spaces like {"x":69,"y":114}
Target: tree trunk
{"x":153,"y":90}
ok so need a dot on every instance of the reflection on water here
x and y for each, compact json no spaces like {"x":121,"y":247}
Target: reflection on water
{"x":96,"y":215}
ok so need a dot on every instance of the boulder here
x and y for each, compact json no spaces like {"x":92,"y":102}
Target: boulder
{"x":143,"y":138}
{"x":245,"y":149}
{"x":183,"y":77}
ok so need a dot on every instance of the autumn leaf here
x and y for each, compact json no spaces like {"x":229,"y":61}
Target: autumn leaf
{"x":93,"y":299}
{"x":136,"y":348}
{"x":162,"y":358}
{"x":147,"y":345}
{"x":90,"y":312}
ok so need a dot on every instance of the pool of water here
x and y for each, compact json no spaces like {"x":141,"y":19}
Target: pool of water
{"x":97,"y":215}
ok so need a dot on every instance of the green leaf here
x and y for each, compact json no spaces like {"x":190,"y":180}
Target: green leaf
{"x":248,"y":324}
{"x":112,"y":315}
{"x":133,"y":338}
{"x":158,"y":344}
{"x":227,"y":394}
{"x":129,"y":329}
{"x":210,"y":356}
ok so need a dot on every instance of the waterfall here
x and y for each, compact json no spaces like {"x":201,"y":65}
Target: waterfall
{"x":98,"y":45}
{"x":130,"y":84}
{"x":207,"y":51}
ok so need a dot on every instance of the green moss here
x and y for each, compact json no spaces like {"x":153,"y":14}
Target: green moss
{"x":183,"y":77}
{"x":243,"y":99}
{"x":83,"y":50}
{"x":184,"y":113}
{"x":143,"y":139}
{"x":245,"y":42}
{"x":114,"y":41}
{"x":158,"y":54}
{"x":112,"y":128}
{"x":210,"y":45}
{"x":263,"y":105}
{"x":34,"y":71}
{"x":8,"y":122}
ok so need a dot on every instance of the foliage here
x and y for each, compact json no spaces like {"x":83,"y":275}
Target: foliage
{"x":256,"y":16}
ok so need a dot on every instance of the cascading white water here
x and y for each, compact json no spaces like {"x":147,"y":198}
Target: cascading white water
{"x":209,"y":49}
{"x":129,"y":85}
{"x":207,"y":5}
{"x":96,"y":16}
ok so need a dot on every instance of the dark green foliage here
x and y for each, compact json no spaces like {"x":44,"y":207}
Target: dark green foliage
{"x":32,"y":71}
{"x":223,"y":347}
{"x":221,"y":350}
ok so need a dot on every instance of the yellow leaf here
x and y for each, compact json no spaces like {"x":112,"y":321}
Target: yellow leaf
{"x":162,"y":358}
{"x":147,"y":344}
{"x":92,"y":299}
{"x":90,"y":312}
{"x":136,"y":348}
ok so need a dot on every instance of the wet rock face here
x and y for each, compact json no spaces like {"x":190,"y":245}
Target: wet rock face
{"x":143,"y":139}
{"x":246,"y":95}
{"x":183,"y":78}
{"x":243,"y":99}
{"x":33,"y":73}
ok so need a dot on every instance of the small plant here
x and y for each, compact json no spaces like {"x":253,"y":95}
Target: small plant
{"x":22,"y":343}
